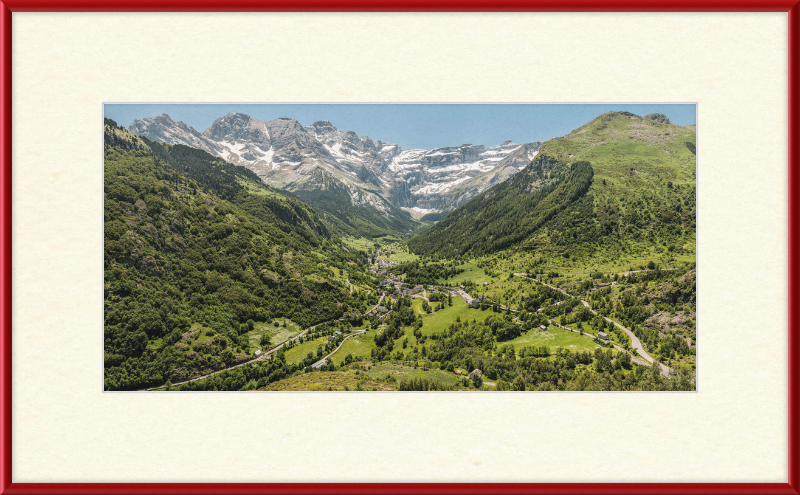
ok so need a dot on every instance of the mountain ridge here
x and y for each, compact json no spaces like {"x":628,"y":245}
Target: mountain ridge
{"x":284,"y":154}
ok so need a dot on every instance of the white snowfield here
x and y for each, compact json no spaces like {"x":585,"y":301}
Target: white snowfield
{"x":440,"y":187}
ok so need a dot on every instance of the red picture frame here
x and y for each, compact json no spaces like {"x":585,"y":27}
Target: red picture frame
{"x":7,"y":7}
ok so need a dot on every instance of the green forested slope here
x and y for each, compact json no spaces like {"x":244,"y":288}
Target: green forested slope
{"x":195,"y":248}
{"x":508,"y":213}
{"x":641,"y":201}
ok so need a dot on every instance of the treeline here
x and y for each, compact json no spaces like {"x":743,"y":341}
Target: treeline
{"x":426,"y":272}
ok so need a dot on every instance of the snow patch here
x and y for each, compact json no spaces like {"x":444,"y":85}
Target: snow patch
{"x":440,"y":187}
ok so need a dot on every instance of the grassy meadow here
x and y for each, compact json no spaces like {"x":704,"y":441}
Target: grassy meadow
{"x":553,"y":338}
{"x":276,"y":331}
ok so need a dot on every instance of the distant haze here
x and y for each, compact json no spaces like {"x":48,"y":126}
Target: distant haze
{"x":425,"y":126}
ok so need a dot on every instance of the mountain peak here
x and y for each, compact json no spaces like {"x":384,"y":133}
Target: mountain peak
{"x":164,"y":118}
{"x":284,"y":123}
{"x":235,"y":116}
{"x":238,"y":127}
{"x":658,"y":117}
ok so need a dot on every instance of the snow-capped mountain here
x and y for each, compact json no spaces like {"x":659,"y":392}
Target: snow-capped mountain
{"x":443,"y":178}
{"x":375,"y":174}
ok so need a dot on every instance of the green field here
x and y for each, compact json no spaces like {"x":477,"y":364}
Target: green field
{"x":399,"y":254}
{"x":472,"y":272}
{"x":277,"y":334}
{"x":553,"y":337}
{"x":399,"y":371}
{"x":298,"y":353}
{"x":381,"y":376}
{"x":367,"y":244}
{"x":507,"y":290}
{"x":332,"y":380}
{"x":259,"y":191}
{"x":361,"y":243}
{"x":439,"y":321}
{"x":359,"y":346}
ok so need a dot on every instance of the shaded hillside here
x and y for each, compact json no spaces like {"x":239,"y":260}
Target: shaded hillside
{"x":350,"y":213}
{"x":509,"y":212}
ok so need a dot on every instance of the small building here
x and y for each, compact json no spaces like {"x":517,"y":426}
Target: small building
{"x":457,"y":372}
{"x":331,"y":338}
{"x":475,"y":372}
{"x":543,"y":327}
{"x":475,"y":304}
{"x":603,"y":335}
{"x":258,"y":352}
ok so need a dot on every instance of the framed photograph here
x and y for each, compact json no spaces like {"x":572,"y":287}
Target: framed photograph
{"x":498,"y":210}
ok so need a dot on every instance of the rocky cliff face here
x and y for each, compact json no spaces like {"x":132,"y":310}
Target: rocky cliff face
{"x":284,"y":154}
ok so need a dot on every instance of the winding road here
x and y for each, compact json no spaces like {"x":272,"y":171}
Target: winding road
{"x":322,"y":361}
{"x":261,"y":356}
{"x":635,"y":342}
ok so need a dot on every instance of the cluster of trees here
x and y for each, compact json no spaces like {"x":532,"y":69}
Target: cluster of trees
{"x":441,"y":297}
{"x":402,"y":316}
{"x":246,"y":377}
{"x":503,"y":327}
{"x":178,"y":256}
{"x":421,"y":383}
{"x":427,"y":272}
{"x":539,"y":295}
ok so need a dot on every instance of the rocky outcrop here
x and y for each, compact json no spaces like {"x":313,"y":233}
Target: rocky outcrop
{"x":165,"y":130}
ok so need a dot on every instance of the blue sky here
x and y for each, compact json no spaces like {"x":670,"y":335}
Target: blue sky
{"x":411,"y":126}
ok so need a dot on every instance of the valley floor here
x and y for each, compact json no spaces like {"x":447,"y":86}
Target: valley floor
{"x":570,"y":335}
